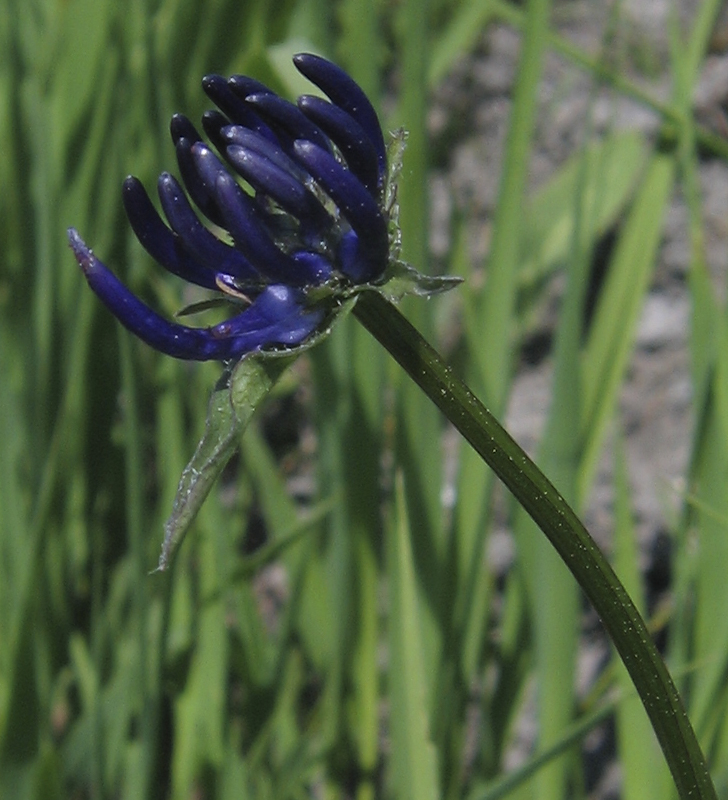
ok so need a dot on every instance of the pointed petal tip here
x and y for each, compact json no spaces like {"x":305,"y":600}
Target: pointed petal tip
{"x":302,"y":58}
{"x":212,"y":80}
{"x":344,"y":92}
{"x":85,"y":257}
{"x":167,"y":180}
{"x":180,"y":127}
{"x":243,"y":85}
{"x":131,"y":186}
{"x":259,"y":98}
{"x":73,"y":236}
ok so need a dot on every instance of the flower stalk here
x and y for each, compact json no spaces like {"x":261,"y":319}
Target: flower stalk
{"x":565,"y":531}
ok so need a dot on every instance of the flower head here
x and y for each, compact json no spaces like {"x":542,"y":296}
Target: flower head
{"x":314,"y":214}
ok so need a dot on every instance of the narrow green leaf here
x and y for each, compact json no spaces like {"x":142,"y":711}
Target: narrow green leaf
{"x":231,"y":407}
{"x":507,"y":785}
{"x":494,"y":314}
{"x":201,"y":709}
{"x":708,"y":515}
{"x":414,"y":761}
{"x":612,"y":333}
{"x":603,"y":176}
{"x":462,"y":32}
{"x":234,"y":777}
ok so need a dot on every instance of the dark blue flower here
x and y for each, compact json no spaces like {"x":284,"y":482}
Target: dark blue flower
{"x":313,"y":214}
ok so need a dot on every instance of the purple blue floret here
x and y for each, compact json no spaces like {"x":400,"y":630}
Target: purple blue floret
{"x":310,"y":213}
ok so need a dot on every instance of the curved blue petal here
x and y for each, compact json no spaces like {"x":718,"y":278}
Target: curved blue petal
{"x":278,"y":316}
{"x":247,"y":228}
{"x":202,"y":195}
{"x":243,"y":86}
{"x":245,"y":223}
{"x":184,"y":135}
{"x":236,"y":134}
{"x":289,"y":118}
{"x":355,"y":203}
{"x":290,"y":194}
{"x":233,"y":106}
{"x":195,"y":237}
{"x":352,"y":260}
{"x":314,"y":264}
{"x":213,"y":122}
{"x":346,"y":93}
{"x":348,"y":135}
{"x":157,"y":239}
{"x":175,"y":340}
{"x":180,"y":127}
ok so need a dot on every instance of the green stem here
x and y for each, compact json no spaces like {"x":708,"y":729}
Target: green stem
{"x":564,"y":530}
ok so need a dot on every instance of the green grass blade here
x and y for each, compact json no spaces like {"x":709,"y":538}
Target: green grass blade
{"x":612,"y":332}
{"x":495,"y":310}
{"x":604,"y":185}
{"x":200,"y":710}
{"x":463,"y":30}
{"x":710,"y":633}
{"x":414,"y":761}
{"x":508,"y":784}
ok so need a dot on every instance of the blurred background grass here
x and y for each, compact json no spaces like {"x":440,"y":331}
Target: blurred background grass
{"x":332,"y":627}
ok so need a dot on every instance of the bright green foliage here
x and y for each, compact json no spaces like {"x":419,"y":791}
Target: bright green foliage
{"x":365,"y":650}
